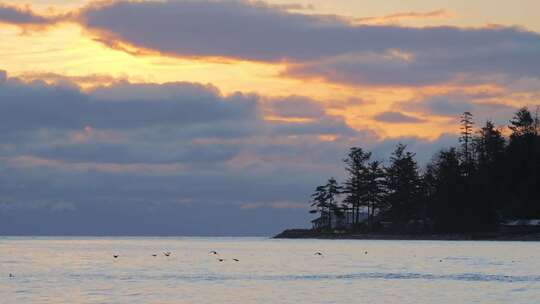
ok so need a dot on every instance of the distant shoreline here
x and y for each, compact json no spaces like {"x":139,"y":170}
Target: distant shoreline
{"x":496,"y":236}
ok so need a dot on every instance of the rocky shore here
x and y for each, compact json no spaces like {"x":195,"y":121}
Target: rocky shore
{"x":497,"y":236}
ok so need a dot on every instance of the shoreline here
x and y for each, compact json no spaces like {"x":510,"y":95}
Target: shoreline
{"x":495,"y":236}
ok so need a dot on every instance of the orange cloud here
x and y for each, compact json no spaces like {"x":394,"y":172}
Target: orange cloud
{"x":394,"y":18}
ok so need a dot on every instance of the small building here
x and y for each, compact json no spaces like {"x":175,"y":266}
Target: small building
{"x":343,"y":222}
{"x":521,"y":226}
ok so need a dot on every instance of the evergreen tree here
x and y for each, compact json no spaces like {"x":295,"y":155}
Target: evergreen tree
{"x":523,"y":124}
{"x":403,"y":184}
{"x":489,"y":144}
{"x":522,"y":166}
{"x":324,"y":200}
{"x":489,"y":188}
{"x":355,"y":185}
{"x":333,"y":190}
{"x":319,"y":200}
{"x":466,"y":141}
{"x":446,"y":206}
{"x":374,"y":195}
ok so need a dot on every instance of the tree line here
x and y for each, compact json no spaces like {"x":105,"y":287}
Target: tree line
{"x":493,"y":175}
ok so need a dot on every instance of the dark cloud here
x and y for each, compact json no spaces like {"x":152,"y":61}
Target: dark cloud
{"x":319,"y":46}
{"x":467,"y":64}
{"x":397,"y":117}
{"x":176,"y":158}
{"x":24,"y":16}
{"x":9,"y":14}
{"x":129,"y":123}
{"x":39,"y":105}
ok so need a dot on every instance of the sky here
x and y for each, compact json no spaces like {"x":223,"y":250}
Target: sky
{"x":220,"y":117}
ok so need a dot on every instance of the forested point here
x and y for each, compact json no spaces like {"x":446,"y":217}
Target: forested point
{"x":491,"y":178}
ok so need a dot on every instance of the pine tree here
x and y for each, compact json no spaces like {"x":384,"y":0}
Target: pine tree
{"x":355,"y":185}
{"x":319,"y":200}
{"x":333,"y":190}
{"x":404,"y":185}
{"x":374,"y":194}
{"x":466,"y":142}
{"x":489,"y":144}
{"x":523,"y":124}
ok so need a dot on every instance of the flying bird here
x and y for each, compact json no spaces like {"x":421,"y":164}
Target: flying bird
{"x":168,"y":253}
{"x":213,"y":252}
{"x":318,"y":253}
{"x":236,"y":260}
{"x":154,"y":255}
{"x":115,"y":256}
{"x":221,"y":260}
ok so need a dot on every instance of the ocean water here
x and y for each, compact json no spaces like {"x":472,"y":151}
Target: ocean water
{"x":83,"y":270}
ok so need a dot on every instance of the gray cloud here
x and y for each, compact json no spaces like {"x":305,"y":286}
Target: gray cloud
{"x":146,"y":123}
{"x":15,"y":15}
{"x":397,"y":117}
{"x":24,"y":16}
{"x":454,"y":104}
{"x":319,"y":46}
{"x":93,"y":162}
{"x":295,"y":107}
{"x":40,"y":105}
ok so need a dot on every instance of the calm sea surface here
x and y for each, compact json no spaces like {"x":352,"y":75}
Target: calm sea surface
{"x":82,"y":270}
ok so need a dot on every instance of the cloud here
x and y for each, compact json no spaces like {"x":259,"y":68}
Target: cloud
{"x":397,"y":117}
{"x":454,"y":104}
{"x":36,"y":105}
{"x":116,"y":159}
{"x":392,"y":18}
{"x":274,"y":205}
{"x":294,"y":107}
{"x":333,"y":48}
{"x":22,"y":16}
{"x":128,"y":123}
{"x":25,"y":18}
{"x":329,"y":47}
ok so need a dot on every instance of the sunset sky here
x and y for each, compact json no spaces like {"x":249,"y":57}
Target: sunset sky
{"x":220,"y":117}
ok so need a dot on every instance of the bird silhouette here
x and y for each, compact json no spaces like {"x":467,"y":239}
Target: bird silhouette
{"x":236,"y":260}
{"x":154,"y":255}
{"x":318,"y":253}
{"x":168,"y":253}
{"x":115,"y":256}
{"x":221,"y":260}
{"x":213,"y":252}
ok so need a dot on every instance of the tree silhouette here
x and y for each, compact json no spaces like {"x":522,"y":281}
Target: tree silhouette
{"x":324,"y":200}
{"x":489,"y":178}
{"x":375,"y":193}
{"x":355,"y":184}
{"x":403,"y":184}
{"x":489,"y":144}
{"x":466,"y":142}
{"x":319,"y":200}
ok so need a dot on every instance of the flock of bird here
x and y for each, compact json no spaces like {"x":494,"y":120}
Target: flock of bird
{"x":213,"y":252}
{"x":168,"y":254}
